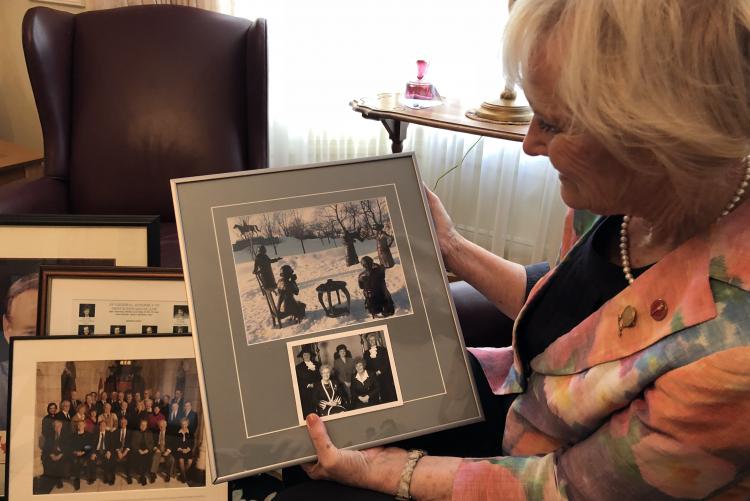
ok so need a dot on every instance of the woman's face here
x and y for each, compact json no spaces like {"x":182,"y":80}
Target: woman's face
{"x":306,"y":356}
{"x":360,"y":367}
{"x":372,"y":340}
{"x":342,"y":353}
{"x":325,"y":373}
{"x":590,"y":177}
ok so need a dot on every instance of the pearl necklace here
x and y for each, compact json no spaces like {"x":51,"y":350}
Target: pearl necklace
{"x":624,"y":254}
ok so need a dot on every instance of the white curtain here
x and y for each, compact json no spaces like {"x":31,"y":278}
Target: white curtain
{"x":324,"y":53}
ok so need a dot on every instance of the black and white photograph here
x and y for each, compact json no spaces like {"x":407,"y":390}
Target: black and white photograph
{"x":149,"y":329}
{"x":311,"y":269}
{"x":344,"y":374}
{"x":113,"y":425}
{"x":85,"y":330}
{"x":116,"y":330}
{"x":180,"y":313}
{"x":86,"y":310}
{"x":180,"y":329}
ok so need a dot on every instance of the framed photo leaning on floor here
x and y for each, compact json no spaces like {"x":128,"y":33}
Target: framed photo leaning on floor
{"x":319,"y":289}
{"x":32,"y":240}
{"x":96,"y":449}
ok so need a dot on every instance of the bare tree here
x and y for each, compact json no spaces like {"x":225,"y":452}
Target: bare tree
{"x":375,"y":214}
{"x":347,"y":216}
{"x":269,"y":226}
{"x":297,"y":228}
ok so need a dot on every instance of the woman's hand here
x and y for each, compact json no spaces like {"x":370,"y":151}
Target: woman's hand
{"x":376,"y":469}
{"x":448,"y":237}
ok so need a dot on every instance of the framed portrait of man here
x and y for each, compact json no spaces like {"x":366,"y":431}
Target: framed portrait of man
{"x":319,"y":289}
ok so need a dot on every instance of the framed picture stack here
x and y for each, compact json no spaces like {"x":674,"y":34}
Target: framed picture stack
{"x":31,"y":241}
{"x":318,"y":289}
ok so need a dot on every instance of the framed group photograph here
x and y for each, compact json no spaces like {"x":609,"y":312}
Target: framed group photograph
{"x":319,"y":289}
{"x":112,"y":416}
{"x":89,"y":301}
{"x":30,"y":241}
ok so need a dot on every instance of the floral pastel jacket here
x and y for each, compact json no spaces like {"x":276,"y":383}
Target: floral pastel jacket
{"x":659,"y":412}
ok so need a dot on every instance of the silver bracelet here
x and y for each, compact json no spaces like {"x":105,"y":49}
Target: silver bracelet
{"x":404,"y":483}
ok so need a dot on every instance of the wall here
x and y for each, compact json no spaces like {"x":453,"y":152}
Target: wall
{"x":19,"y":122}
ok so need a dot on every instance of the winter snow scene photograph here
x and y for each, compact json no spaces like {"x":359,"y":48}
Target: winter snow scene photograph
{"x":311,"y":269}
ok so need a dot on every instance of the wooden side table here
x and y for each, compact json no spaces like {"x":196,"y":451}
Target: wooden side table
{"x":17,"y":162}
{"x":451,"y":115}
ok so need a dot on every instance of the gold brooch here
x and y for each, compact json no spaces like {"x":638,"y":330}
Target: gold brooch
{"x":626,"y":319}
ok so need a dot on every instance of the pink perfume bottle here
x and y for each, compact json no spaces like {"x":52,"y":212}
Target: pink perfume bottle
{"x":421,"y":89}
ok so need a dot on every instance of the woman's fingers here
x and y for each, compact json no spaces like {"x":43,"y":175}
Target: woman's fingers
{"x":319,"y":436}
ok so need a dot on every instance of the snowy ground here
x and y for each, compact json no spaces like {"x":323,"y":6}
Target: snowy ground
{"x":313,"y":269}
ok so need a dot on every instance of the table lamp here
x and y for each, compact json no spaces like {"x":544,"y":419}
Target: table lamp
{"x":511,"y":108}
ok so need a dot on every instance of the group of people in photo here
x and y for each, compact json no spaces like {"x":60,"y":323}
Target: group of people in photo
{"x":145,"y":435}
{"x":281,"y":294}
{"x":350,"y":383}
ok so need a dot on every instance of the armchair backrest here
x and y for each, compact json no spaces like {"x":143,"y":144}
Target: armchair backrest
{"x":129,"y":98}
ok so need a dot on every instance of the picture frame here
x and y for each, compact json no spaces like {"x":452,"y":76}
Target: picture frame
{"x":70,"y":3}
{"x":151,"y":363}
{"x":90,"y":300}
{"x":130,"y":240}
{"x":31,"y":240}
{"x":297,"y":275}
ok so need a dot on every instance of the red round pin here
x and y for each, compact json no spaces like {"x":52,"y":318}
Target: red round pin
{"x":659,"y":309}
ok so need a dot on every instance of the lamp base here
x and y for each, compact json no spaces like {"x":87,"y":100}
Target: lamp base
{"x":502,"y":111}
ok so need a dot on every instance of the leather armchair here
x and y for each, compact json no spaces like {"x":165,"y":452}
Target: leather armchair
{"x":129,"y":98}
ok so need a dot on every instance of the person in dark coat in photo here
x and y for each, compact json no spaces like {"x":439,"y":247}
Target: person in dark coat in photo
{"x":80,"y":448}
{"x":307,"y":376}
{"x":191,"y":416}
{"x":351,"y":252}
{"x":122,"y":411}
{"x":287,"y":305}
{"x":174,"y":418}
{"x":184,"y":444}
{"x":384,"y":242}
{"x":142,"y":447}
{"x":74,"y":400}
{"x":378,"y":364}
{"x":164,"y":447}
{"x":365,"y":386}
{"x":343,"y":368}
{"x":178,"y":399}
{"x":55,"y":454}
{"x":48,"y":421}
{"x":101,"y":455}
{"x":371,"y":280}
{"x":329,"y":396}
{"x":65,"y":413}
{"x":262,"y":269}
{"x":103,"y":399}
{"x":123,"y":439}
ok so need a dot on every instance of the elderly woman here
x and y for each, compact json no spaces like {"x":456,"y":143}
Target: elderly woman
{"x":629,"y":376}
{"x":365,"y":388}
{"x":328,"y":395}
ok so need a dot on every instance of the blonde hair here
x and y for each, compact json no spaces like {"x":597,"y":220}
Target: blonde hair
{"x":666,"y":78}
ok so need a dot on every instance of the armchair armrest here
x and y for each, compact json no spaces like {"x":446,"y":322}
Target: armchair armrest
{"x":482,"y":324}
{"x":43,"y":195}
